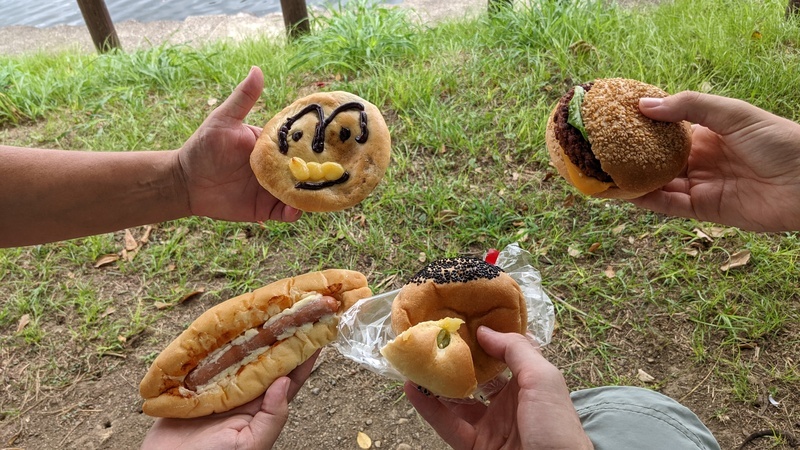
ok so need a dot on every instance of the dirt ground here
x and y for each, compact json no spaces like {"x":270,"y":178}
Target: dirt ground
{"x":98,"y":406}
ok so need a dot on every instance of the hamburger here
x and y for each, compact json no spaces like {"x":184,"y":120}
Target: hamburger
{"x":436,"y":316}
{"x":601,"y":143}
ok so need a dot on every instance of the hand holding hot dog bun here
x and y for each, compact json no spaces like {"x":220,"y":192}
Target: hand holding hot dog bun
{"x":436,"y":316}
{"x":324,"y":152}
{"x":232,"y":352}
{"x":603,"y":145}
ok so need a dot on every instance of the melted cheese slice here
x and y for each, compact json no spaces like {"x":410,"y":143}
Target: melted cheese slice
{"x":586,"y":185}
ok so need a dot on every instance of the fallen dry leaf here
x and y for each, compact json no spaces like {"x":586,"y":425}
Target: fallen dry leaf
{"x":718,"y":232}
{"x":610,"y":272}
{"x":363,"y":440}
{"x":191,"y":295}
{"x":161,"y":305}
{"x":122,"y":339}
{"x":594,"y":247}
{"x":212,"y":101}
{"x":104,"y":260}
{"x":129,"y":255}
{"x":573,"y":252}
{"x":569,"y":201}
{"x":702,"y":235}
{"x":644,"y":376}
{"x":23,"y":322}
{"x":422,"y":257}
{"x":110,"y":310}
{"x":131,"y":243}
{"x":618,"y":229}
{"x":737,"y":259}
{"x":146,"y":235}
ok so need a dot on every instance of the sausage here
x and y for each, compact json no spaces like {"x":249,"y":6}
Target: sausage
{"x":267,"y":335}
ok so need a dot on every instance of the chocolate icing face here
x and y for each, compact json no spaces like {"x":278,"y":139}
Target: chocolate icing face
{"x":318,"y":140}
{"x":324,"y":152}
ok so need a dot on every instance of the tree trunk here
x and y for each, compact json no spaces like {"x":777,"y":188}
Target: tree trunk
{"x":295,"y":17}
{"x":792,"y":8}
{"x":97,"y":19}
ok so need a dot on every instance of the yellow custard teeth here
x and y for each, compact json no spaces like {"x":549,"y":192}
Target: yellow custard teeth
{"x":314,"y":171}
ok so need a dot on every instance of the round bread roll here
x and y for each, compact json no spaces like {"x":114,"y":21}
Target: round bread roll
{"x":620,"y":153}
{"x":434,"y":355}
{"x":324,"y":152}
{"x":463,"y":288}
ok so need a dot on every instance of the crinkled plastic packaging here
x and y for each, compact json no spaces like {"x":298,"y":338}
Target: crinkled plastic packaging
{"x":367,"y":326}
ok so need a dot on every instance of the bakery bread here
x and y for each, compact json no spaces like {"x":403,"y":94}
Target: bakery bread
{"x":324,"y":152}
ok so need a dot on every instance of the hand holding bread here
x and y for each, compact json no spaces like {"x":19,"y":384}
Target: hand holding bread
{"x":232,"y":352}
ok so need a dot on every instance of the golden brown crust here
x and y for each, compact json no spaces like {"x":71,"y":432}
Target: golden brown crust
{"x":419,"y":354}
{"x":640,"y":154}
{"x":364,"y":162}
{"x":163,"y":386}
{"x":494,"y":300}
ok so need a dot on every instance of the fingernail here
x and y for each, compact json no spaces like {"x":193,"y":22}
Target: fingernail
{"x":650,"y":102}
{"x":285,"y":387}
{"x":486,"y":329}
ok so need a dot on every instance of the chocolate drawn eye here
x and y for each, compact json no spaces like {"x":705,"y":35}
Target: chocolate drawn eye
{"x":297,"y":135}
{"x":344,"y":134}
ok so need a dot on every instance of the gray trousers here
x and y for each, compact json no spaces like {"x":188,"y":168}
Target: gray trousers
{"x":628,"y":418}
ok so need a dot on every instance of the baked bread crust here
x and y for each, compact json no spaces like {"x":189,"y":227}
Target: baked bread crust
{"x":163,"y":386}
{"x":469,"y":289}
{"x":640,"y":154}
{"x":325,"y":127}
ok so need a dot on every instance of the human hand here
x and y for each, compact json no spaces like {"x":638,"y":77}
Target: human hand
{"x":215,"y":163}
{"x":532,"y":411}
{"x":255,"y":425}
{"x":744,"y":167}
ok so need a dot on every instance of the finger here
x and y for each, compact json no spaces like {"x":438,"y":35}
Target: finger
{"x":236,"y":107}
{"x":673,"y":200}
{"x":282,"y":212}
{"x":267,"y":424}
{"x":451,"y":428}
{"x":722,"y":115}
{"x":516,"y":350}
{"x":300,"y":374}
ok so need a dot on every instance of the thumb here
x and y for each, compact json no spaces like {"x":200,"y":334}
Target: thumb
{"x":268,"y":423}
{"x":516,"y":350}
{"x":236,"y":107}
{"x":722,"y":115}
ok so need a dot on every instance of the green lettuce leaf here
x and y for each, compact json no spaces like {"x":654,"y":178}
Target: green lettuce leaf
{"x":574,"y":117}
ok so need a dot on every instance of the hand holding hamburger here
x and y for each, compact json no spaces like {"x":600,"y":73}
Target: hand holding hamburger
{"x":603,"y":145}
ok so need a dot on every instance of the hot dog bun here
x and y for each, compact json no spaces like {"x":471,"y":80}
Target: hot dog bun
{"x":324,"y":152}
{"x":465,"y":288}
{"x":623,"y":153}
{"x":166,"y":388}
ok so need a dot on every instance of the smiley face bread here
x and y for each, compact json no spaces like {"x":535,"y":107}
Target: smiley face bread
{"x":324,"y":152}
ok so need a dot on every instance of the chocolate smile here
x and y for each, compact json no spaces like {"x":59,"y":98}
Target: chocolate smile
{"x":318,"y":185}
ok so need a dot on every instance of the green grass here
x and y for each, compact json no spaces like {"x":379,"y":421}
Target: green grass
{"x":466,"y":103}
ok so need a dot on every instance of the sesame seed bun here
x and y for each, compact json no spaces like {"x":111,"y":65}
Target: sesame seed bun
{"x":468,"y":289}
{"x":639,"y":154}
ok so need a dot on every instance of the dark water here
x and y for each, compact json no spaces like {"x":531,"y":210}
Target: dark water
{"x":47,"y":13}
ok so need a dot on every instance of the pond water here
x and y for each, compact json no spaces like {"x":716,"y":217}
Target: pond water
{"x":48,"y":13}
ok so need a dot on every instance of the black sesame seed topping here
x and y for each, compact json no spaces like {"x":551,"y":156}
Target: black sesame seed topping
{"x":461,"y":269}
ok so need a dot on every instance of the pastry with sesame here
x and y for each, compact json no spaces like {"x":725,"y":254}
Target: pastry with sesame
{"x":603,"y":145}
{"x":436,"y":316}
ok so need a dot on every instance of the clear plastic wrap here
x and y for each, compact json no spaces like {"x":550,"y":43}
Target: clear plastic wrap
{"x":366,"y":327}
